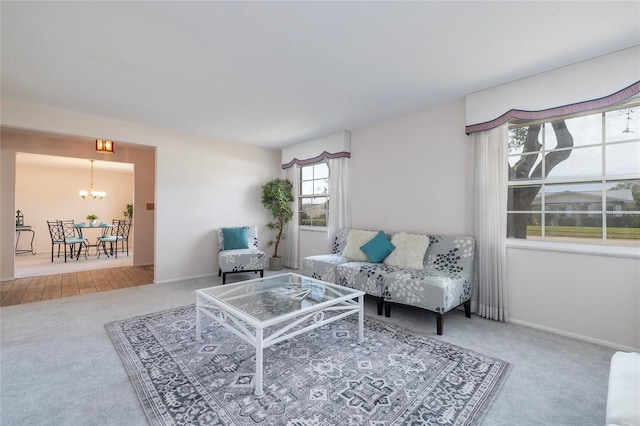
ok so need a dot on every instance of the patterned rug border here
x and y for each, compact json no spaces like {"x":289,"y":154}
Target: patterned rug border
{"x":129,"y":360}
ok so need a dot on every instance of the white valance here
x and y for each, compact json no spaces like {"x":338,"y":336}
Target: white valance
{"x":587,"y":85}
{"x":335,"y":145}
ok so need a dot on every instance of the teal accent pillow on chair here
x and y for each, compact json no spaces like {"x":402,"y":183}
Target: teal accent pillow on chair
{"x":378,"y":248}
{"x":235,"y":238}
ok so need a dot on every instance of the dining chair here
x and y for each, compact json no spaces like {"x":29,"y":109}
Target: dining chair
{"x":126,"y":228}
{"x":69,"y":232}
{"x":118,"y":233}
{"x":59,"y":237}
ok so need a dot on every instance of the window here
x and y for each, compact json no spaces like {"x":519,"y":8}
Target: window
{"x":314,"y":194}
{"x":576,"y":179}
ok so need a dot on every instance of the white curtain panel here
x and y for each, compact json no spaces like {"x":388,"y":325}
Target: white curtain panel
{"x":292,"y":231}
{"x":339,"y":196}
{"x":491,"y":220}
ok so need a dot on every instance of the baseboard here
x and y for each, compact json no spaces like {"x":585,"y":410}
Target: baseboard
{"x":564,"y":333}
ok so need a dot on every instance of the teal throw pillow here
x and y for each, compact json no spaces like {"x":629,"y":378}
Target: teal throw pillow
{"x":378,"y":248}
{"x":235,"y":238}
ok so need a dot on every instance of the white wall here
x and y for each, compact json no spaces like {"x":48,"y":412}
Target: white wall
{"x":414,"y":174}
{"x":47,"y":193}
{"x":201,"y":188}
{"x":410,"y":174}
{"x":592,"y":297}
{"x":201,"y":185}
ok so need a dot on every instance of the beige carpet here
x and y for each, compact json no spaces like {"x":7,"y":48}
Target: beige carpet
{"x":28,"y":265}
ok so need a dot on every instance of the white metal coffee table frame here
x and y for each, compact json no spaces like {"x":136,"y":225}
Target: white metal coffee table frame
{"x":236,"y":320}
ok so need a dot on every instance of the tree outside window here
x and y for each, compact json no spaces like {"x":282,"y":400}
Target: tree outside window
{"x":576,"y":179}
{"x":314,"y":194}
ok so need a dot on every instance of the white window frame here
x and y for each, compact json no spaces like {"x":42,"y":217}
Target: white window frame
{"x":319,"y":228}
{"x":583,"y":247}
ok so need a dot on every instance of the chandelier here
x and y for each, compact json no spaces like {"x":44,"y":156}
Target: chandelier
{"x":91,"y":193}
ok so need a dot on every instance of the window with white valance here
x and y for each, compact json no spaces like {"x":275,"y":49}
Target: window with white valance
{"x":576,"y":179}
{"x":547,"y":102}
{"x":319,"y":169}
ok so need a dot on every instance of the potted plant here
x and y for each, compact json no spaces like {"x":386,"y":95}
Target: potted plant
{"x":128,"y":213}
{"x":92,"y":218}
{"x":277,"y":198}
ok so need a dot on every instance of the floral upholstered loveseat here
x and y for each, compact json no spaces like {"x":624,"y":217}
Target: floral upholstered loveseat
{"x":436,"y":278}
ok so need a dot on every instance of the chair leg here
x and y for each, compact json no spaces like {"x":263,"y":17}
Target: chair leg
{"x":224,"y":278}
{"x":104,"y":248}
{"x":261,"y":273}
{"x":387,"y":309}
{"x":219,"y":271}
{"x":467,"y":308}
{"x":380,"y":304}
{"x":439,"y":318}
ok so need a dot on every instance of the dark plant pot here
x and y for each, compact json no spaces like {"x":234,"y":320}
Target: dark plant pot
{"x":275,"y":263}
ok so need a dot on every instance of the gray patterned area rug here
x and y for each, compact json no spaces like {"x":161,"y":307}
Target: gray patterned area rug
{"x":321,"y":377}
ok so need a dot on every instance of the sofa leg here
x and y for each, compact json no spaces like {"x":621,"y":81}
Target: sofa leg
{"x":439,"y":317}
{"x":224,"y":278}
{"x":387,"y":309}
{"x":467,"y":308}
{"x":380,"y":303}
{"x":261,"y":273}
{"x":219,"y":271}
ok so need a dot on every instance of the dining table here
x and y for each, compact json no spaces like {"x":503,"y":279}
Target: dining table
{"x":99,"y":225}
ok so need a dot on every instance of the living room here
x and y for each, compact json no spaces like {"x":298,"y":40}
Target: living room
{"x":421,"y":160}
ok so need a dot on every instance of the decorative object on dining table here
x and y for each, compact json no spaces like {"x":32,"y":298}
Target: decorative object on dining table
{"x":19,"y":218}
{"x":91,"y":193}
{"x":92,"y":218}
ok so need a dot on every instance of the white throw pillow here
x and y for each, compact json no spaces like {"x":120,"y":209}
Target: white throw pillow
{"x":409,"y":252}
{"x":356,"y":239}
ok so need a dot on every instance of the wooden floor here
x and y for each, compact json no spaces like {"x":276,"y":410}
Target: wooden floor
{"x":27,"y":290}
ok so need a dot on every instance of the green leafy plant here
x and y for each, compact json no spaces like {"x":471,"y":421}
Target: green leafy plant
{"x":128,"y":213}
{"x":277,"y":198}
{"x":92,"y":217}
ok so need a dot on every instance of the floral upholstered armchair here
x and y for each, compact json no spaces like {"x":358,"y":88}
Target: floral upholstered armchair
{"x":238,"y":251}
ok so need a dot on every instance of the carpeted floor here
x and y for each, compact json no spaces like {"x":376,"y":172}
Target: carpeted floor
{"x":323,"y":376}
{"x":59,"y":366}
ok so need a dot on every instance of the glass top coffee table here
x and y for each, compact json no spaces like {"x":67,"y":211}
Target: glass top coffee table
{"x":269,"y":310}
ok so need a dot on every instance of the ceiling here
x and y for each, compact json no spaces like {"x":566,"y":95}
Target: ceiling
{"x":276,"y":73}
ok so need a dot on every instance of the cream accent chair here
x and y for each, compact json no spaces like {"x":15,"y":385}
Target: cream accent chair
{"x":235,"y":260}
